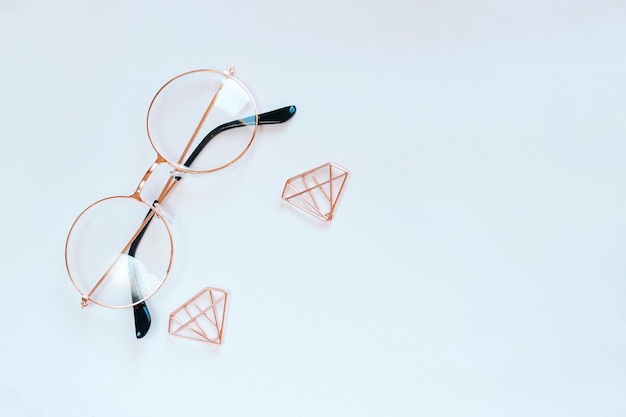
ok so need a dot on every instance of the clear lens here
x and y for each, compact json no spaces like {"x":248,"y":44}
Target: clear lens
{"x":118,"y":252}
{"x":202,"y":121}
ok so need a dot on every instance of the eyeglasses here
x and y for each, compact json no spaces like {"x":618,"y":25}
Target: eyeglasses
{"x":119,"y":250}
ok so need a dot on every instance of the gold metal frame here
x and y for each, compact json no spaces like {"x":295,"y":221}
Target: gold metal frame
{"x":86,"y":297}
{"x":167,"y":189}
{"x":177,"y":166}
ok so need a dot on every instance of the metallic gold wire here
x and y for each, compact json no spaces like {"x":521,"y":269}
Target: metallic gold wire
{"x":167,"y":189}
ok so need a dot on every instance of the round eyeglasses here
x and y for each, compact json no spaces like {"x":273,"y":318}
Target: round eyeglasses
{"x":119,"y":250}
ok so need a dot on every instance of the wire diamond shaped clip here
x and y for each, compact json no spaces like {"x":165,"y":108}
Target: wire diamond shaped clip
{"x":201,"y":318}
{"x":316,"y":191}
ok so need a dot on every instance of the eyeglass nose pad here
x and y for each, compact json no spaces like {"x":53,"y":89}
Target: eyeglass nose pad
{"x":163,"y":212}
{"x":178,"y":174}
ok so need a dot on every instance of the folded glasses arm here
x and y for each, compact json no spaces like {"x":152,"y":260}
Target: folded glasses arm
{"x":140,"y":310}
{"x":270,"y":118}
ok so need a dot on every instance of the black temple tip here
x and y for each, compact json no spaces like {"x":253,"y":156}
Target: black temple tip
{"x":142,"y":319}
{"x":277,"y":116}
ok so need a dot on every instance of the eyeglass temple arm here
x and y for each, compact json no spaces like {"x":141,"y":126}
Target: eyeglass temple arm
{"x":270,"y":118}
{"x":140,"y":310}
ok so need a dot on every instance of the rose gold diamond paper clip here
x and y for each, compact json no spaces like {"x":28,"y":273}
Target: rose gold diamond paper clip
{"x":201,"y":318}
{"x":316,"y":191}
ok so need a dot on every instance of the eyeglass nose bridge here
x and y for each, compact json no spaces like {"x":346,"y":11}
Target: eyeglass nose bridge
{"x":176,"y":174}
{"x":137,"y":194}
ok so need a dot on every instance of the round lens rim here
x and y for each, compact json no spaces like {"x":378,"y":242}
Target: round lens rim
{"x":85,"y":297}
{"x":179,"y":167}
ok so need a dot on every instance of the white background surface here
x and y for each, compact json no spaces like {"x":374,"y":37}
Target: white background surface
{"x":476,"y":263}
